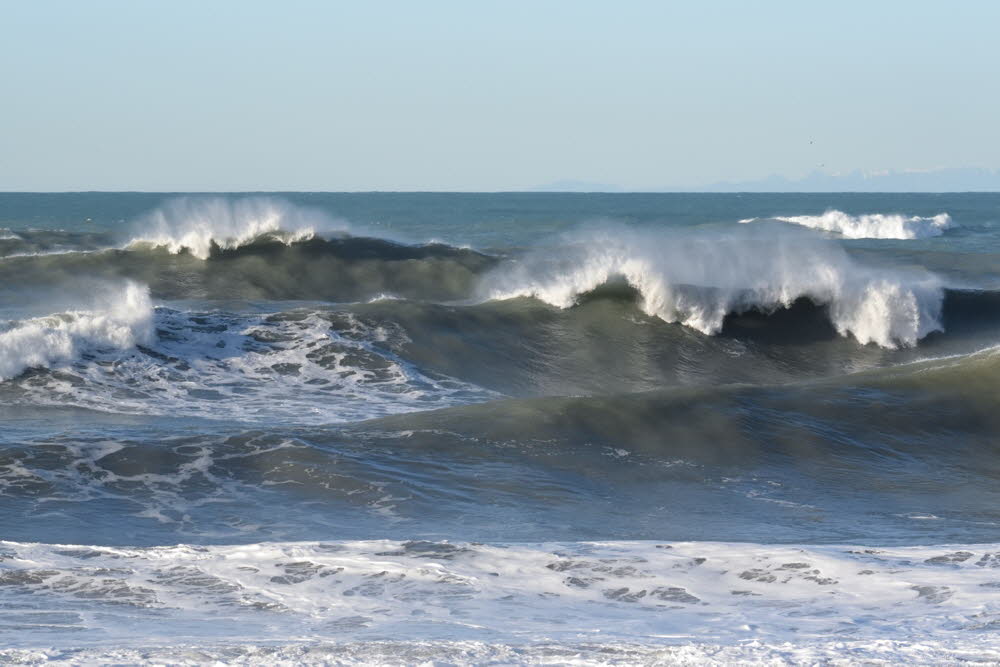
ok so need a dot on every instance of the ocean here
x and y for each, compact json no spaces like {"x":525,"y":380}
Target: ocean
{"x":536,"y":428}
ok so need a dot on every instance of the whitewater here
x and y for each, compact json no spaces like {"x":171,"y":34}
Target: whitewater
{"x":871,"y":225}
{"x":326,"y":428}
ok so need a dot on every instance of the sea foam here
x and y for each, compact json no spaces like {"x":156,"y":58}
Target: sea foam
{"x":117,"y":318}
{"x":735,"y":600}
{"x":872,"y":225}
{"x":698,"y":278}
{"x":308,"y":366}
{"x":196,"y":224}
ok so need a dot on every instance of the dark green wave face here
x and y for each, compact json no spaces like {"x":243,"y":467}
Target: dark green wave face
{"x":606,"y":344}
{"x":340,"y":269}
{"x":624,"y":427}
{"x":827,"y":461}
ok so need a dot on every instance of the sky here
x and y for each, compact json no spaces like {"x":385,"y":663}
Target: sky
{"x":228,"y":95}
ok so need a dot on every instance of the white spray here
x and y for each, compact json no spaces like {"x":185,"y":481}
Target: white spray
{"x":872,"y":225}
{"x":196,"y":223}
{"x":118,"y":318}
{"x":697,"y":277}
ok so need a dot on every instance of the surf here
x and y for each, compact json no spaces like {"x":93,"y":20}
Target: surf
{"x":872,"y":225}
{"x":698,"y":278}
{"x":118,"y":318}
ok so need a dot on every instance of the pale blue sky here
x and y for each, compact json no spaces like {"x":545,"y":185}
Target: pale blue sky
{"x":295,"y":95}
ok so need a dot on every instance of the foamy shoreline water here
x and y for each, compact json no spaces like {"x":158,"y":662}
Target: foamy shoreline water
{"x":971,"y":651}
{"x":719,"y":600}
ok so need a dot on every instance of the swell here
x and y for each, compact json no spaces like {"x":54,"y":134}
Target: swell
{"x":760,"y":284}
{"x":243,"y":248}
{"x":694,"y":461}
{"x":908,"y":411}
{"x":43,"y":241}
{"x":262,"y":248}
{"x":335,"y":269}
{"x":787,"y":462}
{"x":912,"y":448}
{"x":120,"y":354}
{"x":695,"y":282}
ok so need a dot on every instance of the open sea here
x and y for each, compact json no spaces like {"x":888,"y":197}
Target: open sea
{"x":499,"y":428}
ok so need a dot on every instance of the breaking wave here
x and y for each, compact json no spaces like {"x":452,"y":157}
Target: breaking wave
{"x":698,"y":279}
{"x":324,"y":364}
{"x":265,"y":248}
{"x":118,"y":319}
{"x":872,"y":225}
{"x":198,"y":224}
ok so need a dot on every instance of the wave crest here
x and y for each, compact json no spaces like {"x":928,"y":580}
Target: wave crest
{"x":872,"y":225}
{"x":119,"y":319}
{"x":197,"y":224}
{"x":698,"y":279}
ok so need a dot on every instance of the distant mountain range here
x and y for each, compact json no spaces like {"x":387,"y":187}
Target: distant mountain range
{"x":909,"y":180}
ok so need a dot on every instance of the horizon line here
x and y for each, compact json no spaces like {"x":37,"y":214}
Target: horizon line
{"x":501,"y":192}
